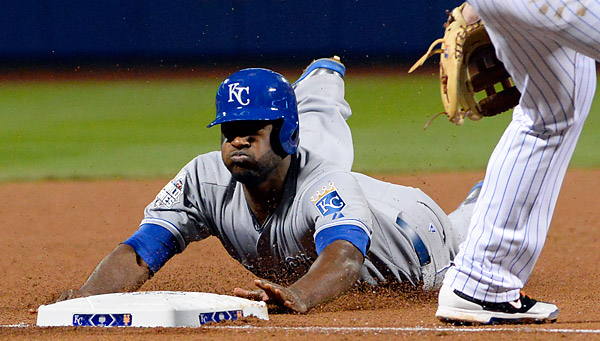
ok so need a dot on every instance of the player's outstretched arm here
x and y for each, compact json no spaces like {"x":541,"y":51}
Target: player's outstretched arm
{"x":335,"y":270}
{"x":121,"y":271}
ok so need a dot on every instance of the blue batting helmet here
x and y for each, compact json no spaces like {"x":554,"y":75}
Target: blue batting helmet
{"x":259,"y":94}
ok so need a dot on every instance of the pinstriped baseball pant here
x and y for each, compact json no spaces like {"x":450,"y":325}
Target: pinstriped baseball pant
{"x":549,"y":47}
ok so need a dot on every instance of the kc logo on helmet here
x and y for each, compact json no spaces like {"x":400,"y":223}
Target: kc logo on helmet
{"x":236,"y":91}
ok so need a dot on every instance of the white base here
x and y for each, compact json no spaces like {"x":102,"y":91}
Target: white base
{"x":149,"y":309}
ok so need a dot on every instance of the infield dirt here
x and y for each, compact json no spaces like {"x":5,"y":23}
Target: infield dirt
{"x":55,"y":233}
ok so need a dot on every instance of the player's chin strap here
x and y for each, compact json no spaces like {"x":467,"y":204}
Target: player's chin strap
{"x":430,"y":52}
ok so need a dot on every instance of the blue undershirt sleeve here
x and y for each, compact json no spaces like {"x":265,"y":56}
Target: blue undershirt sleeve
{"x":351,"y":233}
{"x":154,"y":244}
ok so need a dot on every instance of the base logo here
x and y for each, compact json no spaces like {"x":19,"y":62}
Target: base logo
{"x":171,"y":193}
{"x":219,"y":316}
{"x":102,"y":320}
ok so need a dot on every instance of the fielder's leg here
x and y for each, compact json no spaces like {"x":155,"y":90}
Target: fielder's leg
{"x":524,"y":176}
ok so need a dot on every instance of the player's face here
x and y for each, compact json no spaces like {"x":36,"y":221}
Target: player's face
{"x":246,"y":150}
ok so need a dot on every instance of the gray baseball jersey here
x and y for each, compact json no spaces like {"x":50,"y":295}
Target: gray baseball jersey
{"x":409,"y":239}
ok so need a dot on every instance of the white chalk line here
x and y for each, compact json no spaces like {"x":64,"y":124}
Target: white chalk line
{"x":317,"y":329}
{"x":407,"y":329}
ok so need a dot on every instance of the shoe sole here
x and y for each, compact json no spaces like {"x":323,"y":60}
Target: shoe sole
{"x":322,"y":63}
{"x":468,"y":317}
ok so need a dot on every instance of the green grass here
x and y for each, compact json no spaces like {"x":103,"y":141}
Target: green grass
{"x":389,"y":115}
{"x":133,"y":129}
{"x":388,"y":120}
{"x":103,"y":129}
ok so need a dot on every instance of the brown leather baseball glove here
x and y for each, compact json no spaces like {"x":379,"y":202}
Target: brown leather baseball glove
{"x":473,"y":82}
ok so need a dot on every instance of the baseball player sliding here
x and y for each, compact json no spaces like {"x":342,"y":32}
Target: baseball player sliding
{"x":282,"y":199}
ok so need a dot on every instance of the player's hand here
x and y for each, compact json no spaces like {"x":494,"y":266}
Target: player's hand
{"x":69,"y":294}
{"x":282,"y":296}
{"x":469,"y":14}
{"x":65,"y":295}
{"x":273,"y":294}
{"x":256,"y":295}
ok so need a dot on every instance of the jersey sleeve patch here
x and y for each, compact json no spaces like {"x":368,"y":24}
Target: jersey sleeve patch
{"x":328,"y":201}
{"x":357,"y":235}
{"x":154,"y":244}
{"x":171,"y":193}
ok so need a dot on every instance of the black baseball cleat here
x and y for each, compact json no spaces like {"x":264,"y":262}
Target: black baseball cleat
{"x":331,"y":65}
{"x":457,"y":308}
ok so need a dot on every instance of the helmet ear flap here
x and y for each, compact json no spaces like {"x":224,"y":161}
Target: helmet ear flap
{"x":276,"y":142}
{"x":289,"y":136}
{"x":283,"y":142}
{"x":295,"y":136}
{"x":289,"y":140}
